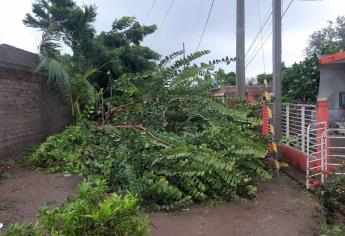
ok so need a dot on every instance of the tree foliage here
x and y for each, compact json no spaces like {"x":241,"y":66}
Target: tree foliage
{"x":301,"y":81}
{"x":328,"y":40}
{"x":261,"y":78}
{"x":171,"y":146}
{"x":223,"y":78}
{"x":119,"y":50}
{"x":91,"y":212}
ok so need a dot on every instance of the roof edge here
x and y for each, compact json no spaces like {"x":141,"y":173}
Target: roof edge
{"x":328,"y":59}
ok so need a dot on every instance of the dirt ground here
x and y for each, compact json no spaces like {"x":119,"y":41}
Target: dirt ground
{"x":280,"y":209}
{"x":25,"y":190}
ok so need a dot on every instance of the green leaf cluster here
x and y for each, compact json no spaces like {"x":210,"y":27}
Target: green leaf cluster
{"x":119,"y":50}
{"x":301,"y":81}
{"x":92,"y":212}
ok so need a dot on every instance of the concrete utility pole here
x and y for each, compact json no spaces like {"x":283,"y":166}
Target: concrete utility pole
{"x":277,"y":66}
{"x":240,"y":49}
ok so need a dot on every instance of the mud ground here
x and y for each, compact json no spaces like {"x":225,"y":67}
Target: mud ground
{"x":24,"y":190}
{"x":281,"y":208}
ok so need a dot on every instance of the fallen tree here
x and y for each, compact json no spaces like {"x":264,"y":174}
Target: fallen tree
{"x":164,"y":139}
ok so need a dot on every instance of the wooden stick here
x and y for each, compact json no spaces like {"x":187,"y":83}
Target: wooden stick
{"x":118,"y":109}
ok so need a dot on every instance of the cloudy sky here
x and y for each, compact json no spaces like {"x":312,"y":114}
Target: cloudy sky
{"x":185,"y":21}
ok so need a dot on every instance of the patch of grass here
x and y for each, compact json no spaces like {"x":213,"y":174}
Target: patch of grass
{"x":331,"y":229}
{"x":5,"y":174}
{"x":94,"y":211}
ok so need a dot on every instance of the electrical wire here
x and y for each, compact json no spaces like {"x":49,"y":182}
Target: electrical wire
{"x":162,"y":23}
{"x":150,"y":11}
{"x":265,"y":41}
{"x":261,"y":38}
{"x":198,"y":17}
{"x":268,"y":17}
{"x":205,"y":26}
{"x":257,"y":46}
{"x":288,"y":7}
{"x":257,"y":52}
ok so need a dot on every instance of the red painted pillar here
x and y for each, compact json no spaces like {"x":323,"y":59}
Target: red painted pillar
{"x":322,"y":111}
{"x":322,"y":117}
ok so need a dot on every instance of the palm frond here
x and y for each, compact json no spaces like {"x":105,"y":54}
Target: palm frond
{"x":56,"y":73}
{"x":50,"y":44}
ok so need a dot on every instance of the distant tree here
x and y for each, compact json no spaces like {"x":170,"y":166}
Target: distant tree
{"x":117,"y":51}
{"x":223,"y":78}
{"x":301,"y":81}
{"x":252,"y":82}
{"x":261,"y":77}
{"x":328,"y":40}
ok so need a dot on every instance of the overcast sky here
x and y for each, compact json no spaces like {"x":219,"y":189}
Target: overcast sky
{"x":183,"y":25}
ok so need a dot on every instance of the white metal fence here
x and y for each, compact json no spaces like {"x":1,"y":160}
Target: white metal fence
{"x":324,"y":147}
{"x":302,"y":132}
{"x":316,"y":150}
{"x":336,"y":151}
{"x":295,"y":120}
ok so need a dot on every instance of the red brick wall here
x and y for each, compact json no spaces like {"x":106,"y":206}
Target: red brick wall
{"x":30,"y":110}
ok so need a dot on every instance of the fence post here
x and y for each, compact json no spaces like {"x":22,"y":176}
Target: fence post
{"x":287,"y":120}
{"x":303,"y":128}
{"x":323,"y":154}
{"x":308,"y":156}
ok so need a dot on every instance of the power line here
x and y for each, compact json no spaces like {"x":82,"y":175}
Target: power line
{"x":164,"y":19}
{"x":262,"y":48}
{"x":258,"y":45}
{"x":198,"y":17}
{"x":268,"y":17}
{"x":257,"y":52}
{"x":205,"y":26}
{"x":150,"y":11}
{"x":288,"y":7}
{"x":265,"y":41}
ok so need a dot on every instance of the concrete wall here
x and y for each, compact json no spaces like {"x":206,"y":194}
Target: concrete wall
{"x":332,"y":82}
{"x":30,"y":110}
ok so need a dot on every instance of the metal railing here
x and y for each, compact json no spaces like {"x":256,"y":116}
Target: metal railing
{"x":316,"y":150}
{"x":295,"y":120}
{"x":336,"y":151}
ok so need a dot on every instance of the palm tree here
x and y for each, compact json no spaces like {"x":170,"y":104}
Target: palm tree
{"x":76,"y":88}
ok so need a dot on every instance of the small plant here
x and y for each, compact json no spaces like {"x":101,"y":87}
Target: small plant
{"x":22,"y":230}
{"x":92,"y":212}
{"x":331,"y":229}
{"x":5,"y":174}
{"x":332,"y":195}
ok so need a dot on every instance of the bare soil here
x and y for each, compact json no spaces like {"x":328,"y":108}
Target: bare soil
{"x":25,"y":190}
{"x":281,"y":208}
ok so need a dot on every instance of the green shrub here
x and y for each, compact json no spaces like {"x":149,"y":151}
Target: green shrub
{"x":332,"y":196}
{"x":22,"y":230}
{"x":92,"y":212}
{"x":61,"y":152}
{"x":331,"y":229}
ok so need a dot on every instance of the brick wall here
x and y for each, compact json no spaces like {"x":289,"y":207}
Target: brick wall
{"x":30,"y":109}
